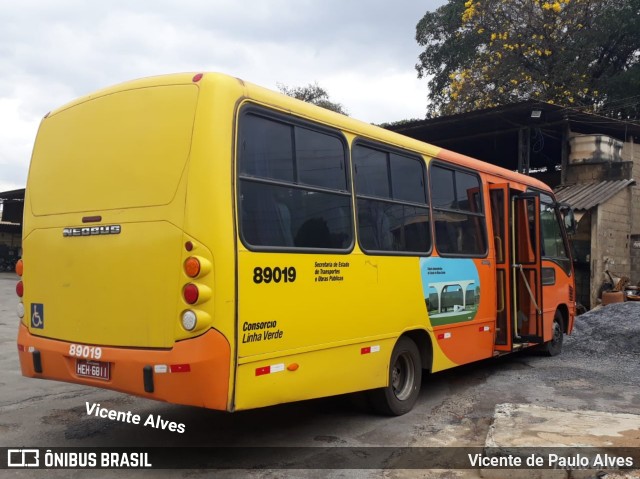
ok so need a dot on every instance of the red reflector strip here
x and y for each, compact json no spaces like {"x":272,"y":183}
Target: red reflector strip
{"x":484,"y":328}
{"x":180,"y":368}
{"x":274,"y":368}
{"x":370,"y":349}
{"x":444,"y":336}
{"x":20,"y":348}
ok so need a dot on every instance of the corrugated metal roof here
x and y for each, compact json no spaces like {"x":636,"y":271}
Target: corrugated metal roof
{"x":586,"y":196}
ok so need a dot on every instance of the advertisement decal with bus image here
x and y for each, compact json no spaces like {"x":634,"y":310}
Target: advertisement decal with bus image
{"x":451,"y":288}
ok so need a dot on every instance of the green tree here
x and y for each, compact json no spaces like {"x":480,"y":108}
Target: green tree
{"x":485,"y":53}
{"x":313,"y":93}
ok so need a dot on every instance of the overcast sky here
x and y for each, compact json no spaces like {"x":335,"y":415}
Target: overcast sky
{"x":362,"y":52}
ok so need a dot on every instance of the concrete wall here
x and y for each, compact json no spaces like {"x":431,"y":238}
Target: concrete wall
{"x":631,"y":152}
{"x":635,"y":260}
{"x":610,"y":241}
{"x":588,"y":172}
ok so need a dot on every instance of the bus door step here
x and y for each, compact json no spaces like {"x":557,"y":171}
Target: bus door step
{"x":528,"y":339}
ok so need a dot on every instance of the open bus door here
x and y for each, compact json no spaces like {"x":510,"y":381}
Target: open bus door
{"x":526,"y":269}
{"x":499,"y":204}
{"x":516,"y":226}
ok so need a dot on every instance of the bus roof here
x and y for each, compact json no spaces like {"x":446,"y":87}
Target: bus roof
{"x":312,"y":112}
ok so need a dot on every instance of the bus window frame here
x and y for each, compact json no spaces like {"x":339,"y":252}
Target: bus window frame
{"x":251,"y":108}
{"x":391,"y":149}
{"x":481,"y":186}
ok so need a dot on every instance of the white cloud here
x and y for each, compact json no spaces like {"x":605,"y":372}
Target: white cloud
{"x":363,"y":53}
{"x":384,"y":98}
{"x":18,"y":133}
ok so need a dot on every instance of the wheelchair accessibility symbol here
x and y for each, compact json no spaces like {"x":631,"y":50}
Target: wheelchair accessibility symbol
{"x":37,"y":315}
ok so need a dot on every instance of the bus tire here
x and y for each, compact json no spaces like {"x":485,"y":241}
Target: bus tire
{"x":405,"y":377}
{"x":554,"y":347}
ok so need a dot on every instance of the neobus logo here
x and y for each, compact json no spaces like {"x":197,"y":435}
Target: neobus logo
{"x":92,"y":231}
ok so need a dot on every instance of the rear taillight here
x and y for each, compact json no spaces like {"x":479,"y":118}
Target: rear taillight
{"x":19,"y":267}
{"x":20,"y":285}
{"x":190,"y":293}
{"x":192,"y":266}
{"x":197,"y":291}
{"x":20,"y":288}
{"x":189,"y":320}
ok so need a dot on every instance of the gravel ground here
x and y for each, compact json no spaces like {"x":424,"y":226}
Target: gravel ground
{"x":612,"y":330}
{"x":601,"y":360}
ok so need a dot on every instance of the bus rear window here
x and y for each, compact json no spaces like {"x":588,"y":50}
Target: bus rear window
{"x":123,"y":150}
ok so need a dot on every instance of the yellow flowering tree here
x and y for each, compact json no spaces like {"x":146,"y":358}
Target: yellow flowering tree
{"x":485,"y":53}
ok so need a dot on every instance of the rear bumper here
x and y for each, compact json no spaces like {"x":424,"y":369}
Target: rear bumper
{"x":204,"y":382}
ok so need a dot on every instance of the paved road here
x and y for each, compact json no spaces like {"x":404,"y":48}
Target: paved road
{"x":455,"y":408}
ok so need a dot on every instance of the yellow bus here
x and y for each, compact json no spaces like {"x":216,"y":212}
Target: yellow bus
{"x":201,"y":240}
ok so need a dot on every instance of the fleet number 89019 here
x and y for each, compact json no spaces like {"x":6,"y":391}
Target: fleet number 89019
{"x":286,"y":274}
{"x":86,"y":352}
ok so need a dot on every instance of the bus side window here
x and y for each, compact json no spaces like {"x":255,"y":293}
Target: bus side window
{"x":265,"y":220}
{"x":457,"y":209}
{"x":393,"y":214}
{"x":374,"y":226}
{"x":293,"y":188}
{"x":445,"y":237}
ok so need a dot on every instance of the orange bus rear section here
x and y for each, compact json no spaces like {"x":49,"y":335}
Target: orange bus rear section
{"x":187,"y":306}
{"x":105,"y":245}
{"x":194,"y":372}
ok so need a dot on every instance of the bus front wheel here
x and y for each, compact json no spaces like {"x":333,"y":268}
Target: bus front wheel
{"x":554,"y":347}
{"x":405,"y":376}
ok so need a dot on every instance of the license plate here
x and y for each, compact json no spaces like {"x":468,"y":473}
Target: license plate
{"x":93,"y":369}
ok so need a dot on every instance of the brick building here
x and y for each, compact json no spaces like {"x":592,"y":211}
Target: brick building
{"x":600,"y":187}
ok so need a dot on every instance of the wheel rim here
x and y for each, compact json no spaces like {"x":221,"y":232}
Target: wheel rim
{"x":403,"y":376}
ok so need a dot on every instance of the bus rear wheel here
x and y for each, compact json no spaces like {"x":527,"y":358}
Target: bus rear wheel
{"x":405,"y":376}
